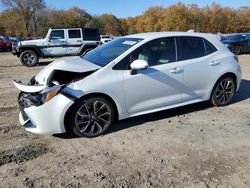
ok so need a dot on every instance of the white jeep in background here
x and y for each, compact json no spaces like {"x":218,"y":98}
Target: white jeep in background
{"x":58,"y":42}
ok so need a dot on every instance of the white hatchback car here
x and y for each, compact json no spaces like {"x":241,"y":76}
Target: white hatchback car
{"x":129,"y":76}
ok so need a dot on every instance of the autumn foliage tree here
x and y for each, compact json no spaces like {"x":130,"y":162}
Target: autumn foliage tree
{"x":32,"y":17}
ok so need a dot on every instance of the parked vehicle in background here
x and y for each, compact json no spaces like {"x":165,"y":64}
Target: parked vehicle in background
{"x":15,"y":40}
{"x":58,"y":42}
{"x":238,"y":43}
{"x":5,"y":43}
{"x":105,"y":38}
{"x":128,"y":76}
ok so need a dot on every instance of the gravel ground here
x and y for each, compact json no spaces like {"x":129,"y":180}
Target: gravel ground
{"x":192,"y":146}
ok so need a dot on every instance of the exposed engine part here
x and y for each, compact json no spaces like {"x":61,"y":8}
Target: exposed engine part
{"x":64,"y":77}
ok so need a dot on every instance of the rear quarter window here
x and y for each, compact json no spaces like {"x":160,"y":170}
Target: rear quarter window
{"x":209,"y":48}
{"x":91,"y":34}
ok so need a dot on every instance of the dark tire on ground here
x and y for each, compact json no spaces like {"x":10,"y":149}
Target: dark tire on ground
{"x":29,"y":58}
{"x":4,"y":48}
{"x":236,"y":50}
{"x":223,"y":91}
{"x":84,"y":52}
{"x":91,"y":117}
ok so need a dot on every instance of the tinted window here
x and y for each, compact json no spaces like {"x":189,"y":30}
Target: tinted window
{"x":91,"y":34}
{"x":157,"y":52}
{"x":57,"y":34}
{"x":74,"y":34}
{"x":191,"y":47}
{"x":209,"y":47}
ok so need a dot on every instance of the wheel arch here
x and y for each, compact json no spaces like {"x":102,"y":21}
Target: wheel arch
{"x":87,"y":47}
{"x":231,"y":74}
{"x":35,"y":49}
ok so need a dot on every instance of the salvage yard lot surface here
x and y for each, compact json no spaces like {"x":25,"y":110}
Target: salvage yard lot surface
{"x":192,"y":146}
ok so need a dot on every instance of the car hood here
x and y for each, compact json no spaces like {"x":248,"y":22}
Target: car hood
{"x":74,"y":65}
{"x":32,"y":42}
{"x":71,"y":64}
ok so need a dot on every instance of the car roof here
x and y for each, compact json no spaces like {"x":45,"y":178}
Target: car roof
{"x":154,"y":35}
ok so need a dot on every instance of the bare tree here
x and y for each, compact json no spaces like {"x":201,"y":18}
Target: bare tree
{"x":28,"y":11}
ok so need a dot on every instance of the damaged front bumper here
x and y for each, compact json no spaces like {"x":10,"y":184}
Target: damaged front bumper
{"x":38,"y":117}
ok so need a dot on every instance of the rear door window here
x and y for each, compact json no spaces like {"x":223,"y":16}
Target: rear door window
{"x":74,"y":33}
{"x":191,"y":47}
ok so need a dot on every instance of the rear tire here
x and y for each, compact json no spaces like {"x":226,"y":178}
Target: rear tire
{"x":84,"y":52}
{"x":236,"y":50}
{"x":223,"y":91}
{"x":91,"y":117}
{"x":4,"y":48}
{"x":29,"y":58}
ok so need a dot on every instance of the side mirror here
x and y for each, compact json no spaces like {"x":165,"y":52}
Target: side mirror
{"x":137,"y":65}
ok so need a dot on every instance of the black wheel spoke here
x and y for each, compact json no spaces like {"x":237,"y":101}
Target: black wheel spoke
{"x":92,"y":129}
{"x":100,"y":108}
{"x":85,"y":127}
{"x":82,"y":114}
{"x":86,"y":106}
{"x":99,"y":127}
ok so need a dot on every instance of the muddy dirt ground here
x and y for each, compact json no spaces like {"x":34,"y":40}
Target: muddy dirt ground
{"x":192,"y":146}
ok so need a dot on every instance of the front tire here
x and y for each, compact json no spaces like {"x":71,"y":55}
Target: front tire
{"x":91,"y":117}
{"x":223,"y":91}
{"x":29,"y":58}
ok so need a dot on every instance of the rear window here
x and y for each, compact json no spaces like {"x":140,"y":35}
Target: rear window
{"x":91,"y":34}
{"x":74,"y":33}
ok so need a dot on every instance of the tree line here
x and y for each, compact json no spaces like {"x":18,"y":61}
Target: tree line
{"x":34,"y":18}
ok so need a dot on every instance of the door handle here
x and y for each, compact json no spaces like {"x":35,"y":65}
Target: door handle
{"x":214,"y":63}
{"x":79,"y":41}
{"x":176,"y":70}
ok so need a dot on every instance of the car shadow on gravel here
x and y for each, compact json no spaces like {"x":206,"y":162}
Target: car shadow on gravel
{"x":241,"y":95}
{"x":44,"y":63}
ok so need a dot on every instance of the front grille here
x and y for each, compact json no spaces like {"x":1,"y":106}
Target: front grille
{"x":26,"y":100}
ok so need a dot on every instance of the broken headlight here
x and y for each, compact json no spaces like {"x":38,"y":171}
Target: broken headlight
{"x":50,"y":92}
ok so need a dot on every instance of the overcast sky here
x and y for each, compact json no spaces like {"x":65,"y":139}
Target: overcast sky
{"x":127,"y":8}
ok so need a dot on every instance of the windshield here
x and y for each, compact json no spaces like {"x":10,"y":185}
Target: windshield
{"x":108,"y":52}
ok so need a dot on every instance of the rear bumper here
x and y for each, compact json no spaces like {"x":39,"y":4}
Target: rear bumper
{"x":46,"y":119}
